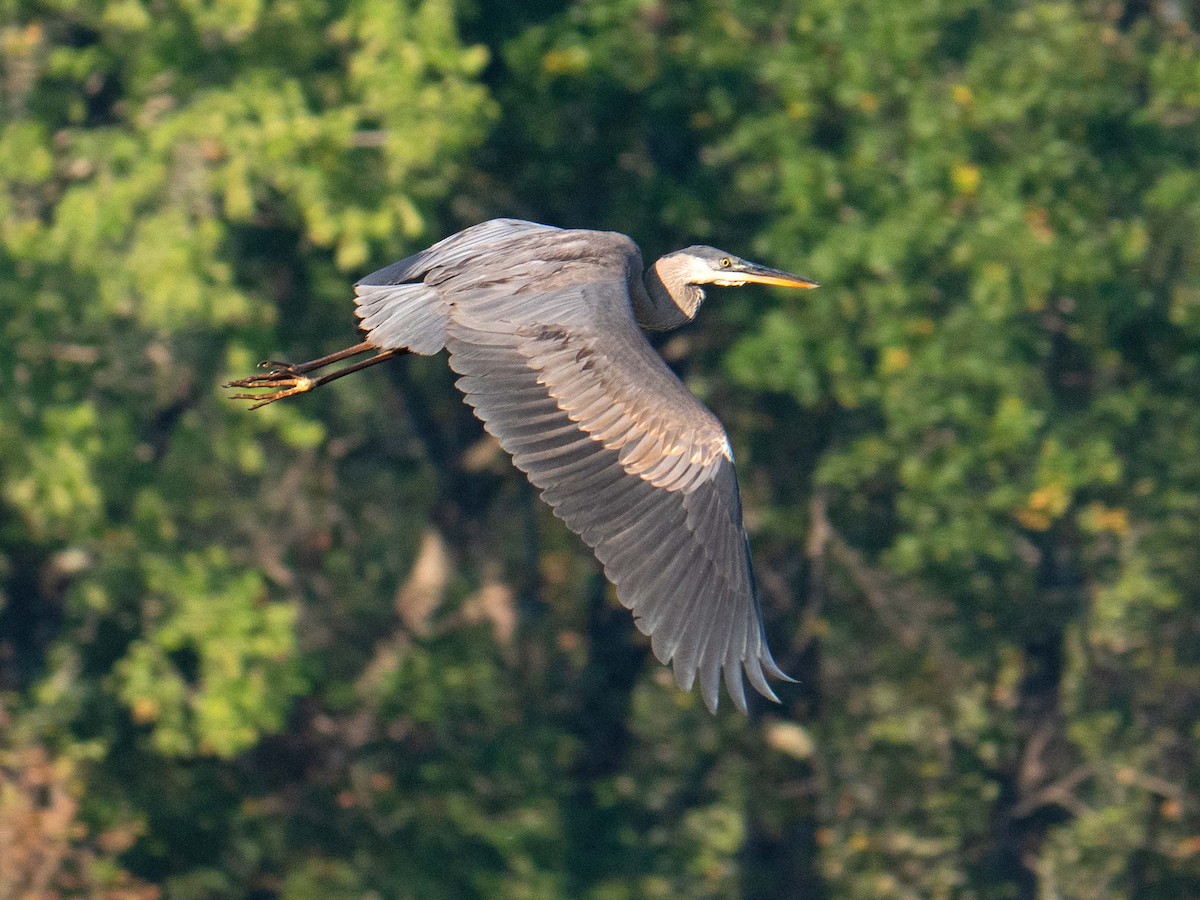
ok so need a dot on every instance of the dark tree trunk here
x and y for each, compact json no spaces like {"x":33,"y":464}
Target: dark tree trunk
{"x":781,"y":855}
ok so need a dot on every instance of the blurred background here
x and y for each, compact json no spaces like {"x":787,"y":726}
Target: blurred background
{"x":337,"y":648}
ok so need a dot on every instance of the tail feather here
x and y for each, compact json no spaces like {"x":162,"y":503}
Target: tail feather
{"x":400,"y":305}
{"x":409,"y":316}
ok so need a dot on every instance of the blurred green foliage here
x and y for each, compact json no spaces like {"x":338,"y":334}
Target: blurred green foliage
{"x":335,"y":648}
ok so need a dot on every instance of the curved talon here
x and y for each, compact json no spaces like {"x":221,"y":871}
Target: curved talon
{"x":285,"y":383}
{"x":288,"y":379}
{"x":287,"y":386}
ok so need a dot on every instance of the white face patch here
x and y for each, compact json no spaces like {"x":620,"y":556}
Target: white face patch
{"x":700,"y":271}
{"x":728,"y":282}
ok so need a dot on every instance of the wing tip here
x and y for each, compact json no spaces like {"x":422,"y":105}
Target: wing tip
{"x":774,"y":671}
{"x":685,"y":676}
{"x":735,"y":685}
{"x":755,"y":669}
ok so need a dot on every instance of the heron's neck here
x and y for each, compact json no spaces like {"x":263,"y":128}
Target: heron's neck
{"x":659,"y":307}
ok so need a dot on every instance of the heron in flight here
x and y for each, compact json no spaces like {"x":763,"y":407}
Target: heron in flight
{"x":541,"y":324}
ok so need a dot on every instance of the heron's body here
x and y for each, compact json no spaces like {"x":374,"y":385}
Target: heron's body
{"x":541,"y":324}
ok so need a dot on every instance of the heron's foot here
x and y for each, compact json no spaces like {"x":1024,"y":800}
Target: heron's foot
{"x":283,"y":379}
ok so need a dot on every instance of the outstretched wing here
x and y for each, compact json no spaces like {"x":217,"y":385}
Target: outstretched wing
{"x":555,"y":366}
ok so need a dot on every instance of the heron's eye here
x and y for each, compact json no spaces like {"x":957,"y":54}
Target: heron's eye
{"x":726,"y":262}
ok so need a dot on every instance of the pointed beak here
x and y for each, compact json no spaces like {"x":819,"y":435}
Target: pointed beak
{"x":752,"y":273}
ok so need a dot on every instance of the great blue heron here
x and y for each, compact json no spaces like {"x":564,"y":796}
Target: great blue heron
{"x":542,"y":325}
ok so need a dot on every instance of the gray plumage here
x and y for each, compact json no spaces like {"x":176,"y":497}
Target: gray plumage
{"x":541,"y":325}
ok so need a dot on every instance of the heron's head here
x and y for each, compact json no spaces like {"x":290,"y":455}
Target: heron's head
{"x":707,"y":265}
{"x":675,"y":283}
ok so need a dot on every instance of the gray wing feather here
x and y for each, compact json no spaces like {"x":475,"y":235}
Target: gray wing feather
{"x":539,"y":327}
{"x":409,"y":316}
{"x":400,"y":305}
